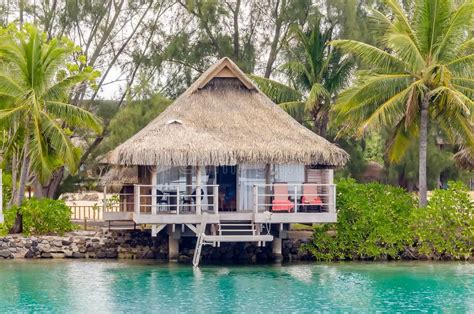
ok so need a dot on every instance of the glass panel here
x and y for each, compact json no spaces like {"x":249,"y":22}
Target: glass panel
{"x":248,"y":176}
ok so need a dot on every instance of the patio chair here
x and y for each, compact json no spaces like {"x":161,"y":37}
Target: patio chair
{"x":192,"y":200}
{"x":310,"y":201}
{"x":281,"y":201}
{"x":161,"y":199}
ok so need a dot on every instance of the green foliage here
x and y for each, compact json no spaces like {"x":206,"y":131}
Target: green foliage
{"x":377,"y":221}
{"x":133,"y":117}
{"x":421,"y":57}
{"x":8,"y":221}
{"x":445,"y":228}
{"x":37,"y":80}
{"x":40,"y":216}
{"x":372,"y":223}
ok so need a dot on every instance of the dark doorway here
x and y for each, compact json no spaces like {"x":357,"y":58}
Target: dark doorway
{"x":227,"y":181}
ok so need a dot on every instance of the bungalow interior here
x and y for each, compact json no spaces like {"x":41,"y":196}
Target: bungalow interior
{"x":215,"y":192}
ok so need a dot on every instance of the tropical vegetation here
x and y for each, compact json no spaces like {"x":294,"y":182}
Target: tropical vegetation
{"x":420,"y":75}
{"x":35,"y":87}
{"x":390,"y":80}
{"x":382,"y":222}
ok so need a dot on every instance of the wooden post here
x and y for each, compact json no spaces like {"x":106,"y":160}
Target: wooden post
{"x":268,"y":182}
{"x":215,"y":198}
{"x":177,"y":200}
{"x":136,"y":190}
{"x":198,"y":190}
{"x":255,"y":198}
{"x":189,"y":181}
{"x":296,"y":199}
{"x":154,"y":205}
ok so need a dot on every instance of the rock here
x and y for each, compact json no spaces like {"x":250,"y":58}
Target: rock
{"x":101,"y":254}
{"x":66,"y":242}
{"x":6,"y":254}
{"x":46,"y":248}
{"x":46,"y":255}
{"x":78,"y":255}
{"x":29,"y":254}
{"x":111,"y":253}
{"x":184,"y":258}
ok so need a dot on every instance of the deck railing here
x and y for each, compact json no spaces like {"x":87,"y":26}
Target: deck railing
{"x":165,"y":199}
{"x":306,"y":197}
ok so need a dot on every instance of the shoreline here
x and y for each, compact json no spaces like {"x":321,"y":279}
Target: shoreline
{"x":140,"y":246}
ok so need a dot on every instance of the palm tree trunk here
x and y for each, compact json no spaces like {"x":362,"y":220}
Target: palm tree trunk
{"x":422,"y":178}
{"x":18,"y":226}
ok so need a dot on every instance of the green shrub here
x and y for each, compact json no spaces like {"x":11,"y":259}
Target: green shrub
{"x":40,"y":216}
{"x":373,"y":223}
{"x":8,"y":221}
{"x":445,"y":229}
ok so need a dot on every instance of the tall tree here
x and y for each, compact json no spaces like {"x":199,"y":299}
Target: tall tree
{"x":317,"y":71}
{"x":35,"y":86}
{"x":422,"y":73}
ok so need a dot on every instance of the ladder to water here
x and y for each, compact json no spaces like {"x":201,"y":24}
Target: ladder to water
{"x":228,"y":231}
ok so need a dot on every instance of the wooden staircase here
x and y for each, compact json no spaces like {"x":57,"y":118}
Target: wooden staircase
{"x":229,"y":231}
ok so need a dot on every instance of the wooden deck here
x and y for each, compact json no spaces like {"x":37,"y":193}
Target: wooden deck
{"x":191,"y":218}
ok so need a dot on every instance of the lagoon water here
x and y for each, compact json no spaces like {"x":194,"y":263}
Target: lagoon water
{"x":106,"y":287}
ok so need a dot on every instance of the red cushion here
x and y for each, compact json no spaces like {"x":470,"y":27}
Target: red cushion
{"x":282,"y":205}
{"x":311,"y":200}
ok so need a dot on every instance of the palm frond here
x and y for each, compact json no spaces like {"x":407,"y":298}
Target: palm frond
{"x":317,"y":92}
{"x":59,"y":140}
{"x":453,"y":37}
{"x":372,"y":56}
{"x":431,"y":21}
{"x":296,"y":109}
{"x":73,"y":115}
{"x":276,"y":91}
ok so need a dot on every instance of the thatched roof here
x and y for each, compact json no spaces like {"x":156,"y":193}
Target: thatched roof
{"x":223,"y":119}
{"x":120,"y":176}
{"x":464,"y":159}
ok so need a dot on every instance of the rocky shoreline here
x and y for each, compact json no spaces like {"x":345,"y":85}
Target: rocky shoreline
{"x":139,"y":245}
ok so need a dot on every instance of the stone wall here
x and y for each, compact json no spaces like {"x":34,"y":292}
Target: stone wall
{"x":139,"y":245}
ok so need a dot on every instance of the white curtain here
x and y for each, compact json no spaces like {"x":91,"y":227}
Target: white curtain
{"x":248,"y":176}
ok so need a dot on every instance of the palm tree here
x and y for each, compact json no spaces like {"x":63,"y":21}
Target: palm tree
{"x":35,"y":84}
{"x":318,"y":72}
{"x":423,"y":73}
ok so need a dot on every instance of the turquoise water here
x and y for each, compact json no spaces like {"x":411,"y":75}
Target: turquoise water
{"x":105,"y":287}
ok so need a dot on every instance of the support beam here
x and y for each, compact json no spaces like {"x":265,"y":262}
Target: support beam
{"x":173,"y":249}
{"x":277,"y":249}
{"x":155,"y":229}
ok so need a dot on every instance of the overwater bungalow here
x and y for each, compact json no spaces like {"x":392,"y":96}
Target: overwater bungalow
{"x":223,"y":163}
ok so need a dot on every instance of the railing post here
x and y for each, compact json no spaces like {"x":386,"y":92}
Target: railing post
{"x":177,"y":200}
{"x":215,"y":198}
{"x":154,"y":205}
{"x":296,"y":199}
{"x":255,"y":199}
{"x":136,"y":190}
{"x":198,"y":190}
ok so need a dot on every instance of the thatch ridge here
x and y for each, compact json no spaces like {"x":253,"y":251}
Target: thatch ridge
{"x":224,"y":122}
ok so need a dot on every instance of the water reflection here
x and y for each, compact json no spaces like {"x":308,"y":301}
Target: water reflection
{"x":106,"y":287}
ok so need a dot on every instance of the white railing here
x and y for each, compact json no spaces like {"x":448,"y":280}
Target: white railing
{"x":165,"y":199}
{"x":283,"y":197}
